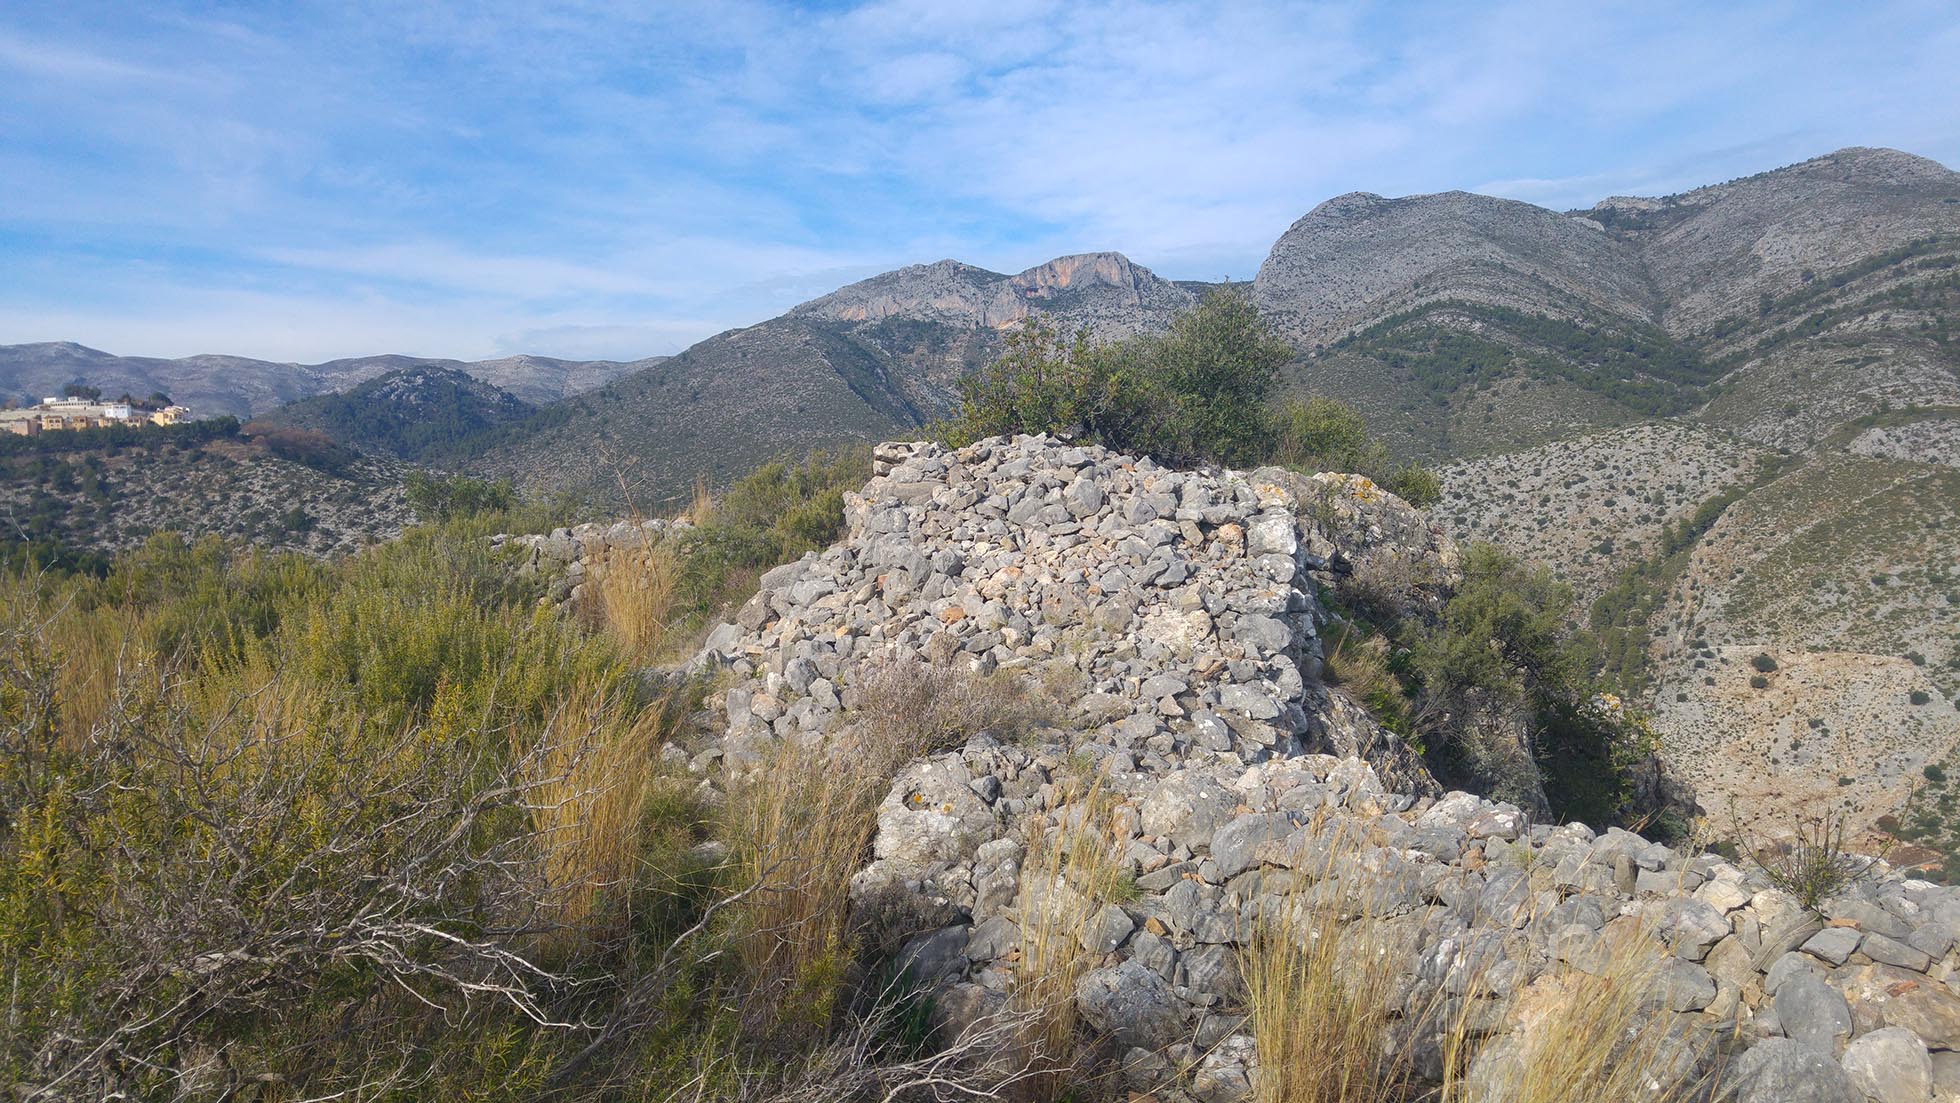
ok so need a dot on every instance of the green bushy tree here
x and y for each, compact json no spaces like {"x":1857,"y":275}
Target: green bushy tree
{"x":1503,"y":657}
{"x":1196,"y":394}
{"x":1201,"y":393}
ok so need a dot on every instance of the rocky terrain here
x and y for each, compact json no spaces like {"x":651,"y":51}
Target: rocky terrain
{"x":237,"y":488}
{"x":1181,"y":611}
{"x":242,"y":387}
{"x":1587,"y":378}
{"x":1590,"y":504}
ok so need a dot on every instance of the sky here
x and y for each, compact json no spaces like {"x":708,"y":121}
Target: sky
{"x":603,"y":179}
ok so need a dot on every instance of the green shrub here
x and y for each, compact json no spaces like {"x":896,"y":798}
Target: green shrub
{"x":1920,"y":697}
{"x":1503,"y":658}
{"x":1196,"y":394}
{"x":440,"y":498}
{"x":1322,"y":434}
{"x":1757,"y":681}
{"x":1763,"y":663}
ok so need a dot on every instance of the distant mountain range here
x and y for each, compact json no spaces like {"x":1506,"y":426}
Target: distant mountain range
{"x":242,"y":387}
{"x":1463,"y":325}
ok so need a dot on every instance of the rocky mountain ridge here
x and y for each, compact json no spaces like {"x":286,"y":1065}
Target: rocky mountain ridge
{"x":1105,"y":292}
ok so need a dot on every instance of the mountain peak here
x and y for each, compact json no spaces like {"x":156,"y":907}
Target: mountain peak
{"x":1083,"y":288}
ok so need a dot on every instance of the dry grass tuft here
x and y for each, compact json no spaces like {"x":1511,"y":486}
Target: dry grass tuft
{"x":1323,"y":981}
{"x":1585,"y":1037}
{"x":590,"y":775}
{"x":630,"y":594}
{"x":909,"y":708}
{"x":1359,"y":664}
{"x":799,"y":824}
{"x":1073,"y":868}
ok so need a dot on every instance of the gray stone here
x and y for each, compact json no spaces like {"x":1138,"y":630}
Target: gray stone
{"x":1083,"y":497}
{"x":931,"y":958}
{"x":1106,"y":930}
{"x":1236,"y":846}
{"x":1688,"y":987}
{"x":1813,"y":1013}
{"x":1890,"y":1066}
{"x":1249,"y":701}
{"x":1833,"y":944}
{"x":992,"y":939}
{"x":1880,"y":948}
{"x":1265,"y":635}
{"x":1779,"y":1070}
{"x":1689,"y":926}
{"x":1131,"y":1004}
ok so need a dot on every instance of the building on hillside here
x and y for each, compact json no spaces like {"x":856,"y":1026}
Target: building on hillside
{"x":57,"y":414}
{"x":21,"y":423}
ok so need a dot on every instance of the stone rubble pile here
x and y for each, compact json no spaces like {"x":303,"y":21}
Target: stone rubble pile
{"x":1183,"y":610}
{"x":569,"y":557}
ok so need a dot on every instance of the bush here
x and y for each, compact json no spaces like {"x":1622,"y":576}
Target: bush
{"x":1763,"y":663}
{"x":1920,"y":697}
{"x":1813,"y":861}
{"x":1322,"y":434}
{"x":439,"y":498}
{"x":302,"y":446}
{"x":1757,"y":681}
{"x":1503,"y":664}
{"x":1197,"y":394}
{"x":367,"y":818}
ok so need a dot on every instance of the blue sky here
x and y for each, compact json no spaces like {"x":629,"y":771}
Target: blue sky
{"x":598,"y":179}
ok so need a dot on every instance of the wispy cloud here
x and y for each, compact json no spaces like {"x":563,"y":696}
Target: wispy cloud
{"x":605,"y":177}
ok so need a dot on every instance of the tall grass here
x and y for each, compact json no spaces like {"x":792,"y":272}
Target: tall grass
{"x":800,"y":823}
{"x":590,"y":776}
{"x":1324,"y":978}
{"x":630,"y":593}
{"x":1073,"y":867}
{"x":1585,"y":1037}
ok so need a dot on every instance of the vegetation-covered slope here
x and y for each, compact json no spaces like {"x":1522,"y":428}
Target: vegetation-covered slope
{"x":416,"y":413}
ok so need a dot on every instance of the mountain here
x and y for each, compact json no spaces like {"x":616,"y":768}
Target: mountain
{"x":284,"y":490}
{"x":415,"y":413}
{"x":1728,"y":416}
{"x":878,"y":358}
{"x":243,"y":387}
{"x":1464,"y":325}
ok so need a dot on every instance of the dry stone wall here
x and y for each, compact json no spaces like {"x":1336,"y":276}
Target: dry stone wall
{"x":1183,"y":610}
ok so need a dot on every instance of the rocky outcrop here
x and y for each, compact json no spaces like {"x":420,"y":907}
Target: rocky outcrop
{"x":1180,"y":614}
{"x":1179,"y":608}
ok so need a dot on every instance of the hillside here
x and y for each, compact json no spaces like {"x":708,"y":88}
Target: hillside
{"x":875,"y":359}
{"x":242,"y":387}
{"x":257,"y":490}
{"x":418,"y":413}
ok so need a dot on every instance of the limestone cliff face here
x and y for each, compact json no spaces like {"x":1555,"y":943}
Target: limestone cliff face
{"x":1714,"y":251}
